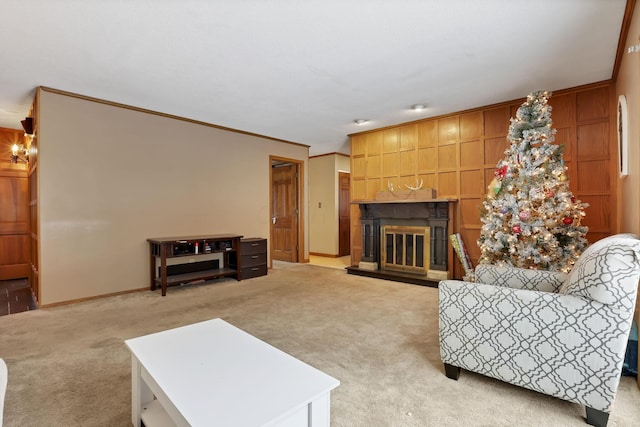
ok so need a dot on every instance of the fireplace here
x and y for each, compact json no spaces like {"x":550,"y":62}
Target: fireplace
{"x":406,"y":241}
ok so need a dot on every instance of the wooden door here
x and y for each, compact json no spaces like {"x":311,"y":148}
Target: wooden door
{"x":284,"y":215}
{"x":344,"y":213}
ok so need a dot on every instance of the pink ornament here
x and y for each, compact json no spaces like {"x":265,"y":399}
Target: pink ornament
{"x":524,"y":215}
{"x":516,"y":229}
{"x":550,"y":194}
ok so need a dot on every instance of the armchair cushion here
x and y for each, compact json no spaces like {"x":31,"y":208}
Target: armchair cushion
{"x":520,"y":278}
{"x":605,"y":271}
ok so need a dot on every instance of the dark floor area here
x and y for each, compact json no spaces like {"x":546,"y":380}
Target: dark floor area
{"x":16,"y":296}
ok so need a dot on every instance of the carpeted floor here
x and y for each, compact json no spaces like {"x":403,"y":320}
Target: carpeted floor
{"x":68,"y":366}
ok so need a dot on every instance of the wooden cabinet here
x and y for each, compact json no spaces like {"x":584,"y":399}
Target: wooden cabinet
{"x":253,"y":258}
{"x":192,"y":249}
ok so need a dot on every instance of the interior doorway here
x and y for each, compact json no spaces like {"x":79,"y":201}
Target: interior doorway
{"x":344,"y":213}
{"x":286,"y":228}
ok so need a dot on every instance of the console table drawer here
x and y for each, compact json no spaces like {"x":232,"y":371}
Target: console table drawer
{"x":254,"y":246}
{"x":253,"y":260}
{"x":256,"y":271}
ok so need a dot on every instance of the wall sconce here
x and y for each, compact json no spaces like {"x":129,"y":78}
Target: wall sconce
{"x":19,"y":153}
{"x":27,"y":125}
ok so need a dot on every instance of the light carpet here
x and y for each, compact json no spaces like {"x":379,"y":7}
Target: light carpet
{"x":69,"y":366}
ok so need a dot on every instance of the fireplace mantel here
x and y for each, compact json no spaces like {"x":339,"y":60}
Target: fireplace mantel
{"x":401,"y":201}
{"x":437,"y":214}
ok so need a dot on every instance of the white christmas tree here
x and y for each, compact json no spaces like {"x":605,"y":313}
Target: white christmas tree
{"x":530,"y":217}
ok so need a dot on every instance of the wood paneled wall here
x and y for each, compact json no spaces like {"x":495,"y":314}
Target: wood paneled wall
{"x":457,"y":154}
{"x":14,"y":216}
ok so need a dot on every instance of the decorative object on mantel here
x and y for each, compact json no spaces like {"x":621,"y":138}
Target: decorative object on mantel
{"x":411,"y":193}
{"x":417,"y":186}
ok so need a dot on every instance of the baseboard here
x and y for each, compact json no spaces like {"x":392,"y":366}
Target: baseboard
{"x":73,"y":301}
{"x":324,"y":255}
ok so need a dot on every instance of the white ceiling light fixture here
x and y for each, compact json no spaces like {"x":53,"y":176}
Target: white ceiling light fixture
{"x":418,"y":107}
{"x":360,"y":122}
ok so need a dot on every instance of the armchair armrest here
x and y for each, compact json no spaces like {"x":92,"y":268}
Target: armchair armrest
{"x":520,"y":278}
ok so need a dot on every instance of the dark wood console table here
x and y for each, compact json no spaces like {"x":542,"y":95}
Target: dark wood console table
{"x":192,"y":247}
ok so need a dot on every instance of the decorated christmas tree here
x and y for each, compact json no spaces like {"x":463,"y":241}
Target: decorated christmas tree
{"x":530,"y":217}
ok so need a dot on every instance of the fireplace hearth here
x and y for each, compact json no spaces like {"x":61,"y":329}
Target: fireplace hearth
{"x":406,"y":241}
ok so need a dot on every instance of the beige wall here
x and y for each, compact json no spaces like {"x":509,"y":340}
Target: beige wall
{"x":343,"y":163}
{"x":323,"y":228}
{"x":323,"y":202}
{"x":628,"y":84}
{"x":112,"y":177}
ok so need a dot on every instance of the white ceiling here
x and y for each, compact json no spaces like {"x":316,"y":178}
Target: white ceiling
{"x":298,"y":70}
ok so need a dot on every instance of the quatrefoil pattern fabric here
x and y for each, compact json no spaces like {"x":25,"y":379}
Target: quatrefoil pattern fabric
{"x":570,"y":346}
{"x":607,"y":261}
{"x":520,"y":278}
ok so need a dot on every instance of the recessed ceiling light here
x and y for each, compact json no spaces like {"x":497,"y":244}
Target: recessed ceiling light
{"x":360,"y":121}
{"x":418,"y":107}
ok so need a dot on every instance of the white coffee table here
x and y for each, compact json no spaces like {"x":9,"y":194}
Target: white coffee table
{"x":214,"y":374}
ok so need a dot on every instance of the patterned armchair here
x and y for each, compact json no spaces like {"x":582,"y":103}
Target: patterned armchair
{"x":560,"y":334}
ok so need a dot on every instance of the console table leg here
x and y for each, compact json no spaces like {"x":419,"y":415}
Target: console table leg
{"x":152,"y":275}
{"x":163,"y":269}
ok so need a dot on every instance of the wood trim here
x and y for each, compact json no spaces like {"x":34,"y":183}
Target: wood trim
{"x":330,"y":154}
{"x":301,"y":212}
{"x":35,"y":248}
{"x":15,"y":271}
{"x":324,"y":255}
{"x":74,"y":301}
{"x":10,"y":130}
{"x":624,"y":33}
{"x":13,"y":173}
{"x":165,"y":115}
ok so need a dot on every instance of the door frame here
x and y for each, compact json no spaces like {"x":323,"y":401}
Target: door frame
{"x":299,"y":205}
